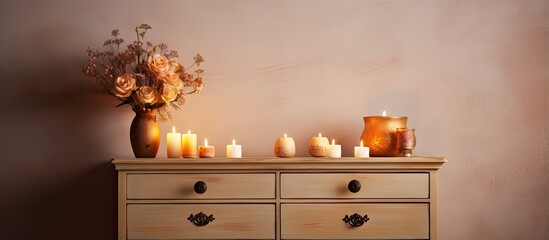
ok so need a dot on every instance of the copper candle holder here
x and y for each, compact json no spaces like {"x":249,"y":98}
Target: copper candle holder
{"x":406,"y":141}
{"x":380,"y":135}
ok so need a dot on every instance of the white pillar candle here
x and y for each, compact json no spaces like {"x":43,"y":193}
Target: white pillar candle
{"x":234,"y":151}
{"x":174,"y":144}
{"x":317,"y":146}
{"x":333,"y":150}
{"x":188,"y":145}
{"x":206,"y":151}
{"x":284,"y":146}
{"x":362,"y":152}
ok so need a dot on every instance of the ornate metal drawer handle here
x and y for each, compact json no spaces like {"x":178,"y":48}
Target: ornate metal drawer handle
{"x":355,"y":220}
{"x":201,"y":219}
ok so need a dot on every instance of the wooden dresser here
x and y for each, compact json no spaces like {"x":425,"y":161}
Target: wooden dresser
{"x":278,"y":198}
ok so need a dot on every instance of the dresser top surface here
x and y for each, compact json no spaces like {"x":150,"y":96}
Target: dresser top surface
{"x":278,"y":163}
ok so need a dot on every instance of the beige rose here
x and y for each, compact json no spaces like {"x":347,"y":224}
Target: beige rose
{"x":169,"y":93}
{"x":175,"y":67}
{"x":173,"y":79}
{"x":146,"y":94}
{"x":124,"y":85}
{"x":158,"y":64}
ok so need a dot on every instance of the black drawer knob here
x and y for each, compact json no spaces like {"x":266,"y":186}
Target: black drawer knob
{"x":354,"y":186}
{"x":200,"y":187}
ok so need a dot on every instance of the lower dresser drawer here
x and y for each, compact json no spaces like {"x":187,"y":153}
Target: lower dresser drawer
{"x":231,"y":221}
{"x":325,"y":221}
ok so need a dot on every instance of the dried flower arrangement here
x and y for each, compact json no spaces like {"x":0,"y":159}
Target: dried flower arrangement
{"x":148,"y":77}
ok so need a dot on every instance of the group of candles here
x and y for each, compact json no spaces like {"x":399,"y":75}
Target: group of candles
{"x":318,"y":147}
{"x":185,"y":145}
{"x":384,"y":136}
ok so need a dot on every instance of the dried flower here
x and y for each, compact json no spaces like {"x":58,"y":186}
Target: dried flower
{"x":181,"y":99}
{"x":199,"y":84}
{"x":145,"y":26}
{"x":198,"y":59}
{"x":144,"y":75}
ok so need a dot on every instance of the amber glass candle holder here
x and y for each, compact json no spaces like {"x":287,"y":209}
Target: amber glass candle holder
{"x":406,"y":141}
{"x":380,"y":135}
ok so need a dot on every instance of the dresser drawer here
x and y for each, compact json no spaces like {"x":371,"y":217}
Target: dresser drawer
{"x":372,"y":185}
{"x":231,"y":221}
{"x":325,"y":221}
{"x":219,"y":186}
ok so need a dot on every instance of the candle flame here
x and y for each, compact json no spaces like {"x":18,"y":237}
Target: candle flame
{"x":320,"y":135}
{"x":384,"y":113}
{"x":234,"y":142}
{"x":173,"y":129}
{"x":205,"y":142}
{"x":333,"y":141}
{"x":285,"y":136}
{"x":361,"y":143}
{"x":189,"y":132}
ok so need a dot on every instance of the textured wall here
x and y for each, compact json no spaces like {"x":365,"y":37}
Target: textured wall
{"x":472,"y":76}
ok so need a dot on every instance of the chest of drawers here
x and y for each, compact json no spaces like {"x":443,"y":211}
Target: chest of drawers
{"x":274,"y":198}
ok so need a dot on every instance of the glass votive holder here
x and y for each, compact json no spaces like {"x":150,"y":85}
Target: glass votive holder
{"x":406,"y":141}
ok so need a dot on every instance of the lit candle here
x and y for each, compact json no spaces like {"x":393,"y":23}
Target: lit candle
{"x":380,"y":134}
{"x":284,"y":146}
{"x":234,"y":151}
{"x":174,"y":144}
{"x":188,"y":145}
{"x":206,"y":151}
{"x":317,"y":146}
{"x":333,"y":150}
{"x":362,"y":152}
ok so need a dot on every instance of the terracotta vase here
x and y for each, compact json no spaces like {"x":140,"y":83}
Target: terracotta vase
{"x":380,"y":135}
{"x":145,"y":134}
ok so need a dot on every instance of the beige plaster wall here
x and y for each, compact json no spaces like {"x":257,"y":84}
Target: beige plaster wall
{"x":472,"y":76}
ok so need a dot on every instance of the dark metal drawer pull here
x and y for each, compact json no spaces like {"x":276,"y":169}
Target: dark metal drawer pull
{"x":201,"y":219}
{"x":354,"y":186}
{"x":200,"y":187}
{"x":355,"y":220}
